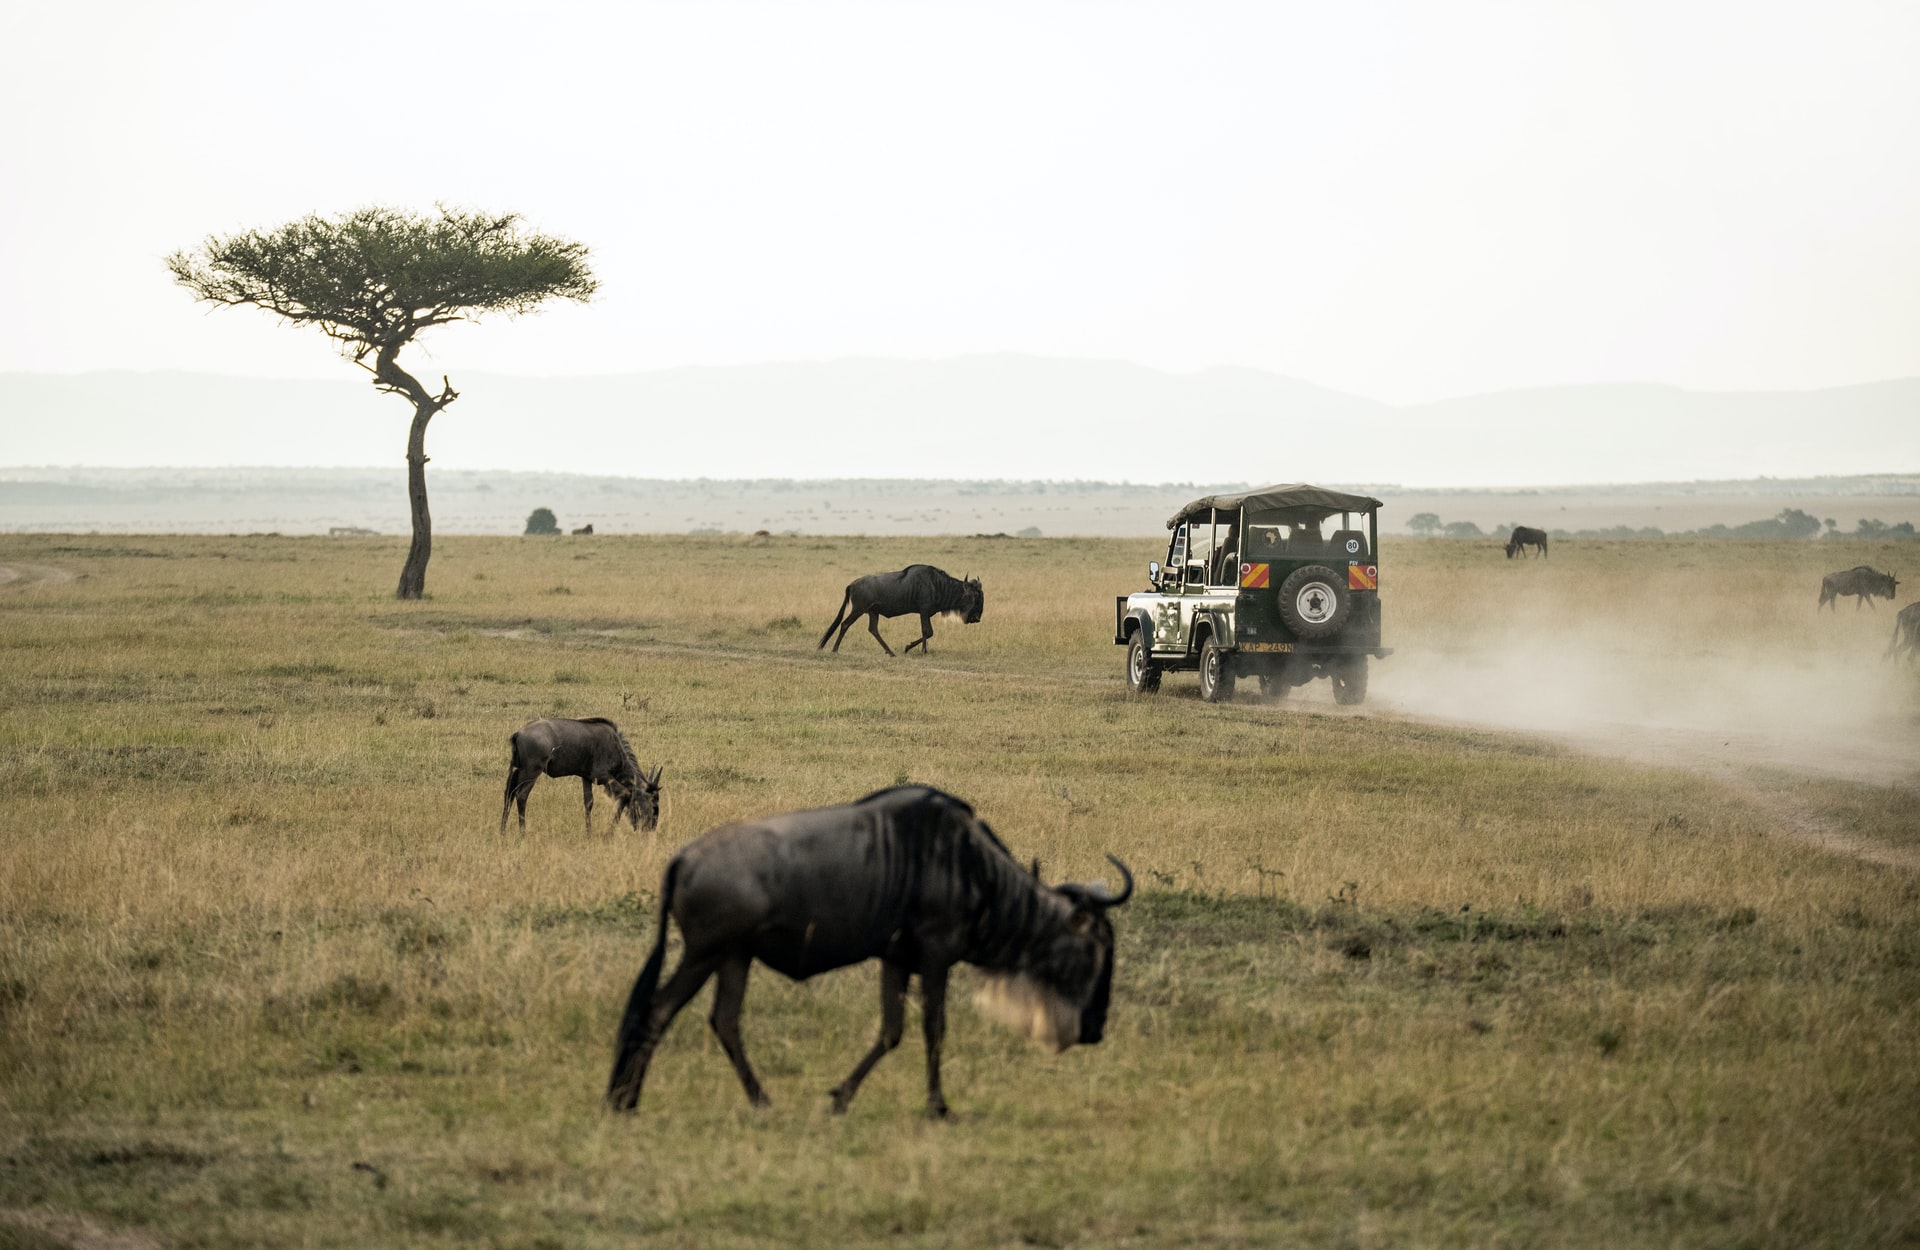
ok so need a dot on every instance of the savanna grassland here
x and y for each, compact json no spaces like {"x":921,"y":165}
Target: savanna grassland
{"x":269,"y":975}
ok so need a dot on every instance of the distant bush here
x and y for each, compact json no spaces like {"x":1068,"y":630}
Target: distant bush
{"x":1461,"y":529}
{"x":542,"y":521}
{"x":1876,"y":528}
{"x":1424,"y":523}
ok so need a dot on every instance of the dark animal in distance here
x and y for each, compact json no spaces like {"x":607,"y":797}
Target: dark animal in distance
{"x":585,"y":529}
{"x":918,"y":588}
{"x":1526,"y":536}
{"x":1861,"y":581}
{"x":907,"y":875}
{"x":1906,"y":633}
{"x":595,"y":751}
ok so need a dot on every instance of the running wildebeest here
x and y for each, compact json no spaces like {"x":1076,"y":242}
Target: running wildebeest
{"x":907,"y":875}
{"x":1861,"y":581}
{"x":918,"y":588}
{"x":1526,"y":536}
{"x":1906,"y":633}
{"x":595,"y":751}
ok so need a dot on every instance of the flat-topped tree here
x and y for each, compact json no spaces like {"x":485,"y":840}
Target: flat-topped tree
{"x":374,"y":278}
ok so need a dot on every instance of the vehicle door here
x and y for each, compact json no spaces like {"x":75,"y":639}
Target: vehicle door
{"x":1169,"y":614}
{"x":1196,"y":595}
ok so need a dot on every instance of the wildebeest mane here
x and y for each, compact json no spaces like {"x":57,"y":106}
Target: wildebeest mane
{"x":1005,"y":899}
{"x":626,"y":748}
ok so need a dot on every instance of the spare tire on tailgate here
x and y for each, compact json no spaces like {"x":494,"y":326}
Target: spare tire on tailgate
{"x":1314,"y":601}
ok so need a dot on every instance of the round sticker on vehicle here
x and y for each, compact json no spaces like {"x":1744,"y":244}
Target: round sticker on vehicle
{"x":1353,"y":546}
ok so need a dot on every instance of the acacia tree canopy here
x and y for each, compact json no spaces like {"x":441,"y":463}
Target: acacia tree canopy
{"x":374,"y":278}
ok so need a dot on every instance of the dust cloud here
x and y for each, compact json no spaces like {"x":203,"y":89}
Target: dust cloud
{"x":1771,"y":685}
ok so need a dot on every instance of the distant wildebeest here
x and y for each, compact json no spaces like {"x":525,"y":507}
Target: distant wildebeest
{"x":1861,"y":581}
{"x":595,"y":751}
{"x":907,"y":875}
{"x":585,"y":529}
{"x":918,"y":588}
{"x":1526,"y":536}
{"x":1906,"y":633}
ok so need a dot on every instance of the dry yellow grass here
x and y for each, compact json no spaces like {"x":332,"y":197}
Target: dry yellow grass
{"x":1389,"y":981}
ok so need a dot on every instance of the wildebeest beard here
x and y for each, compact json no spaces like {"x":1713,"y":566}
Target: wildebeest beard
{"x":1029,"y":1000}
{"x":1015,"y":1000}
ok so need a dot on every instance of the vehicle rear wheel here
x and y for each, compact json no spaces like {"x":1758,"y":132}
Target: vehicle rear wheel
{"x":1349,"y":678}
{"x":1216,"y":677}
{"x":1314,"y":602}
{"x":1143,"y":675}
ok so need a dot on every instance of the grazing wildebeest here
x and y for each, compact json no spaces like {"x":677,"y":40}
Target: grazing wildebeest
{"x":908,"y":876}
{"x":1526,"y":536}
{"x":1861,"y":581}
{"x":585,"y":529}
{"x":918,"y":588}
{"x":1906,"y":633}
{"x":595,"y":751}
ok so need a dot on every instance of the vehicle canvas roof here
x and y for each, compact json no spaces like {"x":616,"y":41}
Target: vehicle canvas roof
{"x":1271,"y":498}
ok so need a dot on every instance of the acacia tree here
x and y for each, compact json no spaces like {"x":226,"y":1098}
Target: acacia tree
{"x":373,"y":279}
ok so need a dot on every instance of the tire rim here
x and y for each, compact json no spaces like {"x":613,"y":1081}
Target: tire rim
{"x":1213,"y":667}
{"x":1138,"y":669}
{"x":1316,"y":603}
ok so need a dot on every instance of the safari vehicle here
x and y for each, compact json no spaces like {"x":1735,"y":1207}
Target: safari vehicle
{"x":1280,"y":584}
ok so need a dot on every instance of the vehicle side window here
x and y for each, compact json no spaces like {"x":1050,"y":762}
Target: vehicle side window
{"x":1199,"y":555}
{"x":1226,"y":561}
{"x":1177,"y":553}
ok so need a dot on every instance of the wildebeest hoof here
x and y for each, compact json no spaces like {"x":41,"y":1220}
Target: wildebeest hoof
{"x":938,"y":1111}
{"x":841,"y":1099}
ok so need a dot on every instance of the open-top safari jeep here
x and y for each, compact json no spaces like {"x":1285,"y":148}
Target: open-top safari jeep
{"x":1280,"y":584}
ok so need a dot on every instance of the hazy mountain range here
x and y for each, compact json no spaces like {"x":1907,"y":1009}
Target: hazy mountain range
{"x":973,"y":417}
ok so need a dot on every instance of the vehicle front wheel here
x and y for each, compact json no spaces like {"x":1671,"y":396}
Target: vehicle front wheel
{"x":1350,"y":681}
{"x":1216,"y":678}
{"x":1143,"y":675}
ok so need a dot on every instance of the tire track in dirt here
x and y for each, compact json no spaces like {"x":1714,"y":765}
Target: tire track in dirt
{"x":20,"y":576}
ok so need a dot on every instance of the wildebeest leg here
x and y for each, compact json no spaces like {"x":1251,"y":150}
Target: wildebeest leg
{"x":893,"y":1023}
{"x":926,"y":632}
{"x":630,"y":1066}
{"x":729,"y":992}
{"x":873,"y":627}
{"x":933,"y":1023}
{"x":586,"y":796}
{"x":520,"y":798}
{"x":843,"y":630}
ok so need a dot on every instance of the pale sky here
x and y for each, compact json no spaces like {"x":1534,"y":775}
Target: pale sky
{"x":1408,"y":201}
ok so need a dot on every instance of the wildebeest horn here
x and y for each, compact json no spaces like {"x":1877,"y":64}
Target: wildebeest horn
{"x":1096,"y":895}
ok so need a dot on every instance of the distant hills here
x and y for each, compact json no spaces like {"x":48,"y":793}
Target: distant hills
{"x":973,"y":417}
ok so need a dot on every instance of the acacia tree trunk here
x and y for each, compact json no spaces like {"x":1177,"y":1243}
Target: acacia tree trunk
{"x":389,"y":376}
{"x":413,"y":574}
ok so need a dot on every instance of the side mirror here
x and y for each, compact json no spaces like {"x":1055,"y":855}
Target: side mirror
{"x":1153,"y":571}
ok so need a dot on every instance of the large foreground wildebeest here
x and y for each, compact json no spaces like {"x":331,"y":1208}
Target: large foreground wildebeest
{"x":1526,"y":536}
{"x":918,"y":588}
{"x":1861,"y":581}
{"x":908,"y":876}
{"x":595,"y":751}
{"x":1906,"y":633}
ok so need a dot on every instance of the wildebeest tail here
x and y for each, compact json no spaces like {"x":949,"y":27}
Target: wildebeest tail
{"x":513,"y":776}
{"x":844,"y":601}
{"x":623,"y":1089}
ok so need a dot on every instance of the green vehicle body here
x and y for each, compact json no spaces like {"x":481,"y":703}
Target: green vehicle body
{"x":1278,"y":585}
